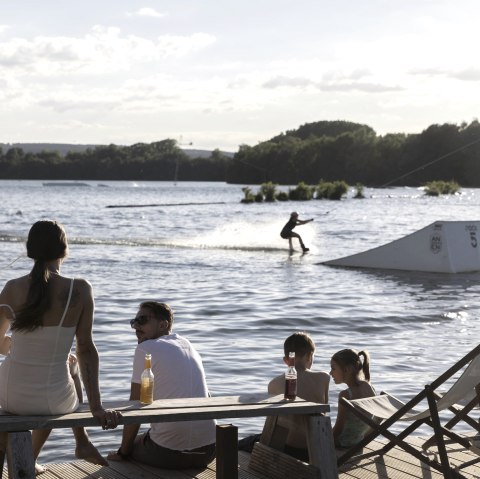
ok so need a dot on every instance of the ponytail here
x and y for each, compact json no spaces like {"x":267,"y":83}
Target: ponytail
{"x":365,"y":364}
{"x":38,"y":299}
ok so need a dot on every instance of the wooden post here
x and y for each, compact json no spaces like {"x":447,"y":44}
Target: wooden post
{"x":21,"y":464}
{"x":227,"y":452}
{"x":321,"y":449}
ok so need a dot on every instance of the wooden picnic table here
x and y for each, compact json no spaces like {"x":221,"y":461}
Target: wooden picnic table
{"x":322,"y":451}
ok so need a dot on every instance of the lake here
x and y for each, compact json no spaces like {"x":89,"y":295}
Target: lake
{"x":236,"y":291}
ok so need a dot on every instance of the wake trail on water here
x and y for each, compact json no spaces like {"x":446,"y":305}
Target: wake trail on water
{"x":241,"y":235}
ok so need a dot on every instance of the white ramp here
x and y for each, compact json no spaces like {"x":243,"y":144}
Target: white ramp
{"x":441,"y":247}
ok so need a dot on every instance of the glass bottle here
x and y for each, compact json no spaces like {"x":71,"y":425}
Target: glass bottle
{"x":291,"y":378}
{"x":146,"y":387}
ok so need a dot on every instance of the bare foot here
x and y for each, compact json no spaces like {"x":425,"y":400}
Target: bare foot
{"x":39,"y":469}
{"x":90,"y":453}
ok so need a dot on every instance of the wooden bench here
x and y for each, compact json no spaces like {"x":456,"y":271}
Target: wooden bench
{"x":20,"y":454}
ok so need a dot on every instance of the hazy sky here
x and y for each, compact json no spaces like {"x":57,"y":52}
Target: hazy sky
{"x":220,"y":73}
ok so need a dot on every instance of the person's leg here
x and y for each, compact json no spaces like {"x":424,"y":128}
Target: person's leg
{"x":84,"y":449}
{"x":247,"y":443}
{"x":148,"y":452}
{"x":301,"y":242}
{"x":39,"y":436}
{"x":3,"y":448}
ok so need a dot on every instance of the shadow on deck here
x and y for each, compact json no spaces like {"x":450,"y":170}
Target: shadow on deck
{"x":395,"y":465}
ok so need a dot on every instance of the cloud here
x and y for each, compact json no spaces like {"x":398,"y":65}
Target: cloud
{"x":466,"y":74}
{"x":146,"y":12}
{"x":103,"y":49}
{"x":329,"y":83}
{"x":65,"y":105}
{"x":292,"y":82}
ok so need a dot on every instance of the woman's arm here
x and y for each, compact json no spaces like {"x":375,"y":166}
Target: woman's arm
{"x":6,"y":316}
{"x":5,"y":341}
{"x":87,"y":356}
{"x":86,"y":350}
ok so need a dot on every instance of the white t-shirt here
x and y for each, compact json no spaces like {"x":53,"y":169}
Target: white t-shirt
{"x":179,"y":373}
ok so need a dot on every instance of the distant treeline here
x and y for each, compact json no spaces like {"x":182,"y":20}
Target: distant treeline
{"x":325,"y":150}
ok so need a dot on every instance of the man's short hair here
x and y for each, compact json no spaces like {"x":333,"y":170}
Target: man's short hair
{"x":299,"y":343}
{"x":160,"y":311}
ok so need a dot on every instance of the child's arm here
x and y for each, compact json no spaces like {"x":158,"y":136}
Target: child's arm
{"x":341,"y":418}
{"x":277,"y":385}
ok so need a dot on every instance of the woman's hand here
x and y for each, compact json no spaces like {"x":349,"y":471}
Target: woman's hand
{"x":108,"y":418}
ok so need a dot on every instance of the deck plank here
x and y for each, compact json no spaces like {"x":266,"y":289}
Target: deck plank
{"x":397,"y":464}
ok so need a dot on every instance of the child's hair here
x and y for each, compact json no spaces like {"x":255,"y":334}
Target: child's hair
{"x":350,"y":358}
{"x":299,"y":343}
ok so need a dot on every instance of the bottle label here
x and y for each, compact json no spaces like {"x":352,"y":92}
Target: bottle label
{"x":290,"y":388}
{"x":146,"y":391}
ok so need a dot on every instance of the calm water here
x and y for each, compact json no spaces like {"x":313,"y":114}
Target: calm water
{"x":236,"y":291}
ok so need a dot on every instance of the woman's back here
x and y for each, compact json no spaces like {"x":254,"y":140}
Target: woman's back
{"x":34,"y":378}
{"x":16,"y":290}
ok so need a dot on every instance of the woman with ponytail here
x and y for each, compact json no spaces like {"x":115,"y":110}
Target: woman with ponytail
{"x":348,"y":367}
{"x":45,"y":312}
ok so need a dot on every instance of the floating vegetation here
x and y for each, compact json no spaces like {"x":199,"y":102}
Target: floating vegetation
{"x":359,"y":191}
{"x":439,"y":187}
{"x":331,"y":190}
{"x":302,"y":192}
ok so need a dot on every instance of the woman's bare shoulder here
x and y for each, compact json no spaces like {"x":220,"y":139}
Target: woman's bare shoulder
{"x":13,"y":286}
{"x":14,"y":292}
{"x":82,"y":283}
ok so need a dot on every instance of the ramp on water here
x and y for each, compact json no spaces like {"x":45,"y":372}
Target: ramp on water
{"x":441,"y":247}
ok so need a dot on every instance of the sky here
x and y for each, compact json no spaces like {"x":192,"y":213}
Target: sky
{"x":220,"y":74}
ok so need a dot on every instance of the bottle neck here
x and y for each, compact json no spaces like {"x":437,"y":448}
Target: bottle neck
{"x":148,"y":361}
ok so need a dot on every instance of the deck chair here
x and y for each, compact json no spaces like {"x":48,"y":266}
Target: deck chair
{"x":383,"y":411}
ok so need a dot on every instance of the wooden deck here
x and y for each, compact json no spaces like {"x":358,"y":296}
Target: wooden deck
{"x":395,"y":465}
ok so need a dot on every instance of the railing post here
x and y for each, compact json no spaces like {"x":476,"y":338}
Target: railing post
{"x":227,"y":451}
{"x":21,"y":464}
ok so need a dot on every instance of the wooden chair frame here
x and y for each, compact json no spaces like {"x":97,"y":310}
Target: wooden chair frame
{"x":429,"y":417}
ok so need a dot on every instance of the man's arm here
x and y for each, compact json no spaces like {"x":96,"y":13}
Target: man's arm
{"x":130,"y":431}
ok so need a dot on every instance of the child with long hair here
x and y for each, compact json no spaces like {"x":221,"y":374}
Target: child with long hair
{"x":348,"y":367}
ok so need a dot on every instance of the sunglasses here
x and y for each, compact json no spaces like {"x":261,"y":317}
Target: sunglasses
{"x":140,"y":320}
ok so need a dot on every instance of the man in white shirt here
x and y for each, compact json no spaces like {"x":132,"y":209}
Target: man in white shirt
{"x":178,"y":373}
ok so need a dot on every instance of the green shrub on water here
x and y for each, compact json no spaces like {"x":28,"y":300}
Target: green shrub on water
{"x":439,"y":187}
{"x":331,"y":190}
{"x":248,"y":195}
{"x":268,"y":190}
{"x":282,"y":196}
{"x":302,"y":192}
{"x":359,"y":191}
{"x":259,"y":197}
